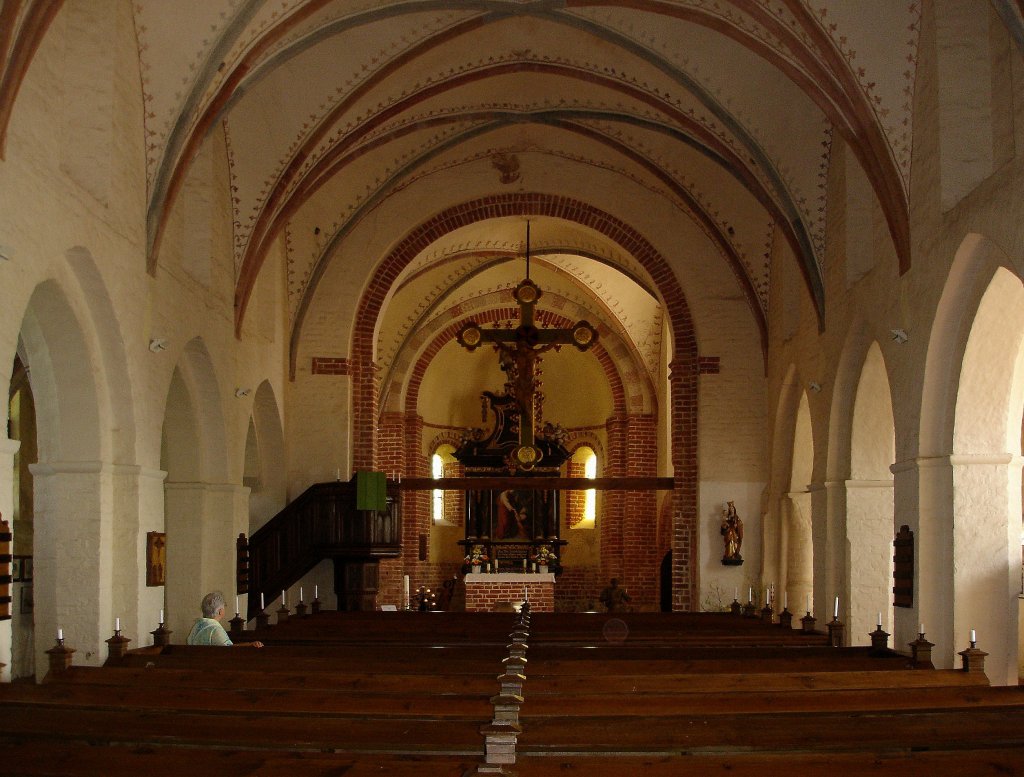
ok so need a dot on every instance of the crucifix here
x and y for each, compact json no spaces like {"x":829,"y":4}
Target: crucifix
{"x":518,"y":352}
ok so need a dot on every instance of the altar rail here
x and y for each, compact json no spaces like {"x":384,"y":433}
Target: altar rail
{"x":323,"y":523}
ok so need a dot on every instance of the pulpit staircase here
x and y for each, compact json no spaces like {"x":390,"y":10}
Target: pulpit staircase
{"x":322,"y":523}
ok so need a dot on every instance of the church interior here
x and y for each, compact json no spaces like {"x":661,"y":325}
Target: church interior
{"x":242,"y":242}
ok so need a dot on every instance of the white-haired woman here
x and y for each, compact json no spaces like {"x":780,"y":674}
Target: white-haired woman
{"x":208,"y":630}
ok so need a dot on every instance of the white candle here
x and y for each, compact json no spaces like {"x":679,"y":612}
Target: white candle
{"x":973,"y":636}
{"x":785,"y":600}
{"x":879,"y":621}
{"x":808,"y":602}
{"x":316,"y":591}
{"x":399,"y":477}
{"x":117,"y":625}
{"x":922,"y":629}
{"x":767,"y":597}
{"x":236,"y":606}
{"x":836,"y":612}
{"x":300,"y":593}
{"x":60,"y":634}
{"x":750,"y":594}
{"x":337,"y":474}
{"x":161,"y":617}
{"x":282,"y":599}
{"x":263,"y":605}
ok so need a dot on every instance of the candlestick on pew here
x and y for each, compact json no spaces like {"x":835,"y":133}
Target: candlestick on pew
{"x":161,"y":621}
{"x":117,"y":646}
{"x":60,"y":654}
{"x":316,"y":599}
{"x":836,"y":628}
{"x":300,"y":608}
{"x":282,"y":613}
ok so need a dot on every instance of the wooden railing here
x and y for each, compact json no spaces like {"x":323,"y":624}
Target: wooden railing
{"x":323,"y":523}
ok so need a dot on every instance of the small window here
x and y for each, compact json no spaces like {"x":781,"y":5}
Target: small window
{"x":581,"y":511}
{"x":444,"y":505}
{"x":437,"y":472}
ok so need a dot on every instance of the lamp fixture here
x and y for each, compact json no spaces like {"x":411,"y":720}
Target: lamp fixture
{"x":899,"y":335}
{"x":158,"y":344}
{"x":814,"y":386}
{"x":242,"y":392}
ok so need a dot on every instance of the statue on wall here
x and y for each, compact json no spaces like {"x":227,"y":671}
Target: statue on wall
{"x":732,"y":532}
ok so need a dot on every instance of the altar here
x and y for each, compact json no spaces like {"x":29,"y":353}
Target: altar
{"x":484,"y":591}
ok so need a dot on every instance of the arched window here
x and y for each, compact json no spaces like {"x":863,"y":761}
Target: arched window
{"x":443,"y":509}
{"x":582,"y":505}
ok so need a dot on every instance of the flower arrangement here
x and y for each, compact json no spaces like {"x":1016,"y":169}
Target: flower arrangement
{"x":544,"y":555}
{"x":477,"y":556}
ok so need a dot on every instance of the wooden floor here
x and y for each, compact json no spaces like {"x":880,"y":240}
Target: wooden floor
{"x":407,"y":694}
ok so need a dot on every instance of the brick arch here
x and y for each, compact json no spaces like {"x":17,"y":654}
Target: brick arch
{"x":544,"y":318}
{"x":683,"y":378}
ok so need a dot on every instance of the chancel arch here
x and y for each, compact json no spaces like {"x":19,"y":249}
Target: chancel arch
{"x":683,"y":359}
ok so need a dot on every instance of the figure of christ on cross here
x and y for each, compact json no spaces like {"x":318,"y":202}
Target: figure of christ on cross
{"x":518,"y":351}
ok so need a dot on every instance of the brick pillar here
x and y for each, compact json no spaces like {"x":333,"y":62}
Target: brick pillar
{"x":364,"y":410}
{"x":683,"y":404}
{"x":613,"y":510}
{"x":390,"y":443}
{"x":416,"y":504}
{"x":640,"y":525}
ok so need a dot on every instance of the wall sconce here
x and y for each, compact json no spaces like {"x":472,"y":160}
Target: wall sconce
{"x":242,"y":392}
{"x":899,"y":335}
{"x":158,"y":344}
{"x":814,"y":386}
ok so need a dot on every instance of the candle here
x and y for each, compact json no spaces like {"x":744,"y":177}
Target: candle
{"x":973,"y":637}
{"x":750,"y":594}
{"x":405,"y":587}
{"x":836,"y":612}
{"x":263,"y":605}
{"x":282,"y":599}
{"x":337,"y":474}
{"x":921,"y":632}
{"x":117,"y":625}
{"x":808,"y":602}
{"x":316,"y":591}
{"x":60,"y":634}
{"x":161,"y":617}
{"x":300,"y":593}
{"x":879,"y":621}
{"x":767,"y":597}
{"x":524,"y":564}
{"x":399,"y":477}
{"x":236,"y":606}
{"x":785,"y":600}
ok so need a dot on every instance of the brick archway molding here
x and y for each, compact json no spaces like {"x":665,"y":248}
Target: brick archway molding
{"x":684,"y":368}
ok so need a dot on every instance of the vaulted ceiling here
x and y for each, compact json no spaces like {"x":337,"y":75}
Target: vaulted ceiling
{"x":727,"y":110}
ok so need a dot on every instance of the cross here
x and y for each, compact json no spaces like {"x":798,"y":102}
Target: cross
{"x":518,"y":351}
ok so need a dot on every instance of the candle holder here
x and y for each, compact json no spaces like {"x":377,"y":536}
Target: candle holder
{"x":836,"y":629}
{"x":750,"y":610}
{"x":807,"y":623}
{"x":237,"y":625}
{"x":766,"y":614}
{"x":117,"y":646}
{"x":879,"y":640}
{"x":973,"y":659}
{"x":282,"y":614}
{"x":162,"y":635}
{"x":300,"y":609}
{"x":921,"y":652}
{"x":315,"y":604}
{"x":262,"y":620}
{"x":60,"y":657}
{"x":786,"y":619}
{"x":736,"y":608}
